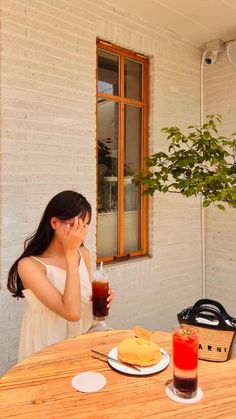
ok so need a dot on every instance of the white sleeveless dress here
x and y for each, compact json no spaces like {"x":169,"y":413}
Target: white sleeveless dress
{"x":42,"y":327}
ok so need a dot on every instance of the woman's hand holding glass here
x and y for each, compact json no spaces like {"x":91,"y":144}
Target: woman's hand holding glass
{"x":109,"y":298}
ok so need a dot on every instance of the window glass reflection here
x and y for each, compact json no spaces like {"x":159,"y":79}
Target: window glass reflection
{"x":132,"y":200}
{"x":108,"y":73}
{"x":133,"y":79}
{"x":108,"y":117}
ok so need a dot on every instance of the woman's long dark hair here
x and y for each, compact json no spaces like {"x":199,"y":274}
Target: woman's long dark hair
{"x":64,"y":205}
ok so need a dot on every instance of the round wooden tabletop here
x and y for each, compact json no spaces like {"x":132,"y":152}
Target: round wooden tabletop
{"x":40,"y":386}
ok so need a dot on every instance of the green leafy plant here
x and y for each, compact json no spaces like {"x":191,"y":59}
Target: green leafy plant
{"x":104,"y":155}
{"x":197,"y":163}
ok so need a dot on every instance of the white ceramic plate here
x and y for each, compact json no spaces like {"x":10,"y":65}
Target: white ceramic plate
{"x":159,"y":366}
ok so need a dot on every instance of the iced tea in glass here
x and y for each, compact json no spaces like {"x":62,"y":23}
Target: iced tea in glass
{"x":185,"y":361}
{"x":100,"y":287}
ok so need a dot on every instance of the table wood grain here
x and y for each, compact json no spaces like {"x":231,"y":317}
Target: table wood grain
{"x":40,"y":386}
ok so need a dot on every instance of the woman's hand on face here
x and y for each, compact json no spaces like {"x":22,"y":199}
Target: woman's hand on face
{"x":109,"y":298}
{"x":73,"y":236}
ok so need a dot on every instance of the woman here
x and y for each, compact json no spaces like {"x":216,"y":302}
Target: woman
{"x":53,"y":275}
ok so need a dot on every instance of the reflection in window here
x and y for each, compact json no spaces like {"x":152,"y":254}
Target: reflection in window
{"x":133,"y":79}
{"x":121,"y":142}
{"x":132,"y":161}
{"x":108,"y":116}
{"x":108,"y":71}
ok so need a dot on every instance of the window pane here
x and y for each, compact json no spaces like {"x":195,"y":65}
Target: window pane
{"x":108,"y":73}
{"x":121,"y":129}
{"x":133,"y":79}
{"x":108,"y":117}
{"x":132,"y":196}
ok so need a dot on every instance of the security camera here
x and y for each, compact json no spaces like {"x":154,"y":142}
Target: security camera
{"x":210,"y":58}
{"x":212,"y":49}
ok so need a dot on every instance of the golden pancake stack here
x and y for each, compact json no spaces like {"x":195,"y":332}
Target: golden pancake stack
{"x":139,"y":350}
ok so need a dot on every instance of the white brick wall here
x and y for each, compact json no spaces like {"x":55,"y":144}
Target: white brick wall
{"x":220,"y":97}
{"x":48,"y":144}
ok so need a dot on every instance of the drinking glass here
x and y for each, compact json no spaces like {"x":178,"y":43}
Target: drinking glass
{"x":185,"y":361}
{"x":100,"y":287}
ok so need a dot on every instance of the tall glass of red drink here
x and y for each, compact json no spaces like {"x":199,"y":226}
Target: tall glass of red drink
{"x":100,"y":288}
{"x":185,"y":361}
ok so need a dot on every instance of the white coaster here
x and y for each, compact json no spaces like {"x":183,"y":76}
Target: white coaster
{"x":88,"y":382}
{"x":170,"y":393}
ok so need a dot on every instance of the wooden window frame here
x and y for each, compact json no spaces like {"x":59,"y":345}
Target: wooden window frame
{"x":124,"y":53}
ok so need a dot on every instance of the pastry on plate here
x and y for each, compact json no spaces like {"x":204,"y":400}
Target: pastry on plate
{"x":139,"y":351}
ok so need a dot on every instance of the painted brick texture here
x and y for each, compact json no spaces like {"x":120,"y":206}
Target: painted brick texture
{"x":220,"y":97}
{"x":48,"y":124}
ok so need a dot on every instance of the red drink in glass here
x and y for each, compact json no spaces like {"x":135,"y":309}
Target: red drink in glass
{"x":99,"y":296}
{"x":185,"y":361}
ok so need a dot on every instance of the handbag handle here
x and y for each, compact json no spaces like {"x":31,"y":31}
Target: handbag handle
{"x":199,"y":309}
{"x":206,"y":302}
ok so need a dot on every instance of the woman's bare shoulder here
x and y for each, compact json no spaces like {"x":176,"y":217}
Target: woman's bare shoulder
{"x":27,"y":262}
{"x":30,"y":272}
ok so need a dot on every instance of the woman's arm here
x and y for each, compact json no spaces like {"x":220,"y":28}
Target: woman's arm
{"x":86,"y":256}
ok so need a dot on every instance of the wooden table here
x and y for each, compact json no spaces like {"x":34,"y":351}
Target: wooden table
{"x":40,"y":386}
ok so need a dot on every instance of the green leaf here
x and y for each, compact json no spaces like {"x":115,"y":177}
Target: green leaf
{"x":221,"y":207}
